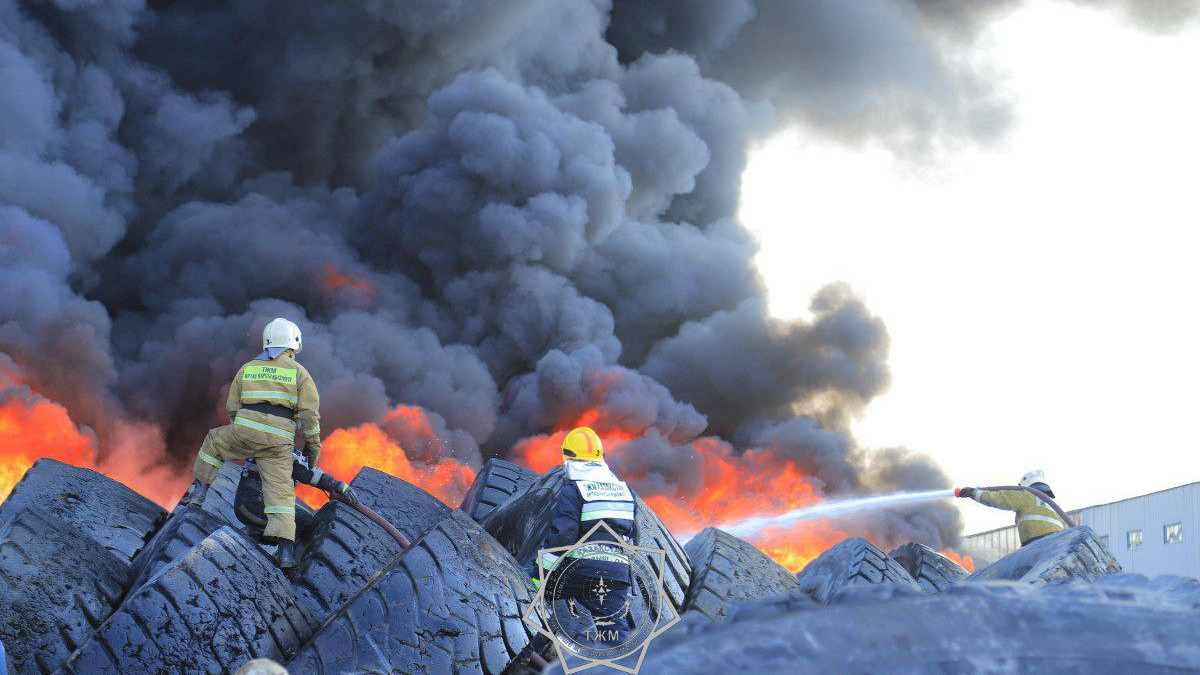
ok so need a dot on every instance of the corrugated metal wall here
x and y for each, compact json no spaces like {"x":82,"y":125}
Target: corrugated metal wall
{"x":1148,"y":514}
{"x":1151,"y":515}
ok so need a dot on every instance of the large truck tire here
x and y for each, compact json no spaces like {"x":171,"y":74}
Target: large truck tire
{"x":727,"y":571}
{"x":407,"y":507}
{"x":187,"y":526}
{"x":932,"y":571}
{"x":222,"y":495}
{"x":1180,"y":591}
{"x":495,"y":484}
{"x":118,"y":518}
{"x":968,"y":628}
{"x":1075,"y":552}
{"x":346,"y":551}
{"x":57,"y":586}
{"x":853,"y":562}
{"x":521,"y":524}
{"x":451,"y":603}
{"x":216,"y":607}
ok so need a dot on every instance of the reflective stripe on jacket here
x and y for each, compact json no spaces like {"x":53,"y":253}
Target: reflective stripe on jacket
{"x":1034,"y":517}
{"x":580,"y":506}
{"x":280,"y":381}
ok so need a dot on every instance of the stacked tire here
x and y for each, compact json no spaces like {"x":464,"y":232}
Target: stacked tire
{"x":932,"y":571}
{"x":68,"y":541}
{"x":100,"y":580}
{"x":97,"y":579}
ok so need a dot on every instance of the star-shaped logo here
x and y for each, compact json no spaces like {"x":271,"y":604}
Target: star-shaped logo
{"x":618,"y":638}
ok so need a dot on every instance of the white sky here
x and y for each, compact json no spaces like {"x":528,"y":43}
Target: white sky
{"x":1041,"y":297}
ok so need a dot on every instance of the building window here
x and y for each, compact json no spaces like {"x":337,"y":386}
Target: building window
{"x":1134,"y":539}
{"x":1173,"y":533}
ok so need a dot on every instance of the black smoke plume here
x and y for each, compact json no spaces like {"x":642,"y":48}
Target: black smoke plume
{"x":507,"y":213}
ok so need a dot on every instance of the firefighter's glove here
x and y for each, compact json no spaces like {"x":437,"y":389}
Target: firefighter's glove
{"x":966,"y":493}
{"x":347,"y":494}
{"x":337,"y":489}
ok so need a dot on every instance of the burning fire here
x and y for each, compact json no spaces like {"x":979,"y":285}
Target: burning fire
{"x":337,"y":284}
{"x":796,"y":545}
{"x":346,"y":451}
{"x":735,"y":486}
{"x":32,"y":427}
{"x":967,"y":562}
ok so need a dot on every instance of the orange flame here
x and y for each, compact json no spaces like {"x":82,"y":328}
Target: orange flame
{"x":346,"y":451}
{"x":735,"y":486}
{"x":967,"y":562}
{"x":32,"y":427}
{"x":337,"y":284}
{"x":542,"y":453}
{"x":798,"y":544}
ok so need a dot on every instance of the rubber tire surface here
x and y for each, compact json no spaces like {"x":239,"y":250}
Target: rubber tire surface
{"x":407,"y":507}
{"x":932,"y":571}
{"x":451,"y":604}
{"x":969,"y":628}
{"x":727,"y":571}
{"x":521,"y":523}
{"x":222,"y":494}
{"x":1075,"y":552}
{"x":187,"y":526}
{"x":209,"y":611}
{"x":118,"y":518}
{"x":853,"y":562}
{"x":57,"y":586}
{"x":495,"y":484}
{"x":1170,"y":589}
{"x":345,"y":552}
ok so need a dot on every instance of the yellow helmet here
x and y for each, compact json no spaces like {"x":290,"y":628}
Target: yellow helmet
{"x":582,"y":444}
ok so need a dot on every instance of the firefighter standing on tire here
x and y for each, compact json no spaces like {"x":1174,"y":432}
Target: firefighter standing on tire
{"x":268,"y":396}
{"x":591,"y":494}
{"x":1035,"y":518}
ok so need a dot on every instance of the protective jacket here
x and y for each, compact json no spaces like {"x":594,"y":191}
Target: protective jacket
{"x":266,"y":398}
{"x":269,"y":396}
{"x":590,"y":494}
{"x":1034,"y":517}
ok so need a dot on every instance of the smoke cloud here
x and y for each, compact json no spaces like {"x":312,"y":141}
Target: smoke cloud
{"x":511,"y":216}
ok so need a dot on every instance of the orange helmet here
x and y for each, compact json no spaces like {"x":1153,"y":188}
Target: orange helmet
{"x":583,"y":444}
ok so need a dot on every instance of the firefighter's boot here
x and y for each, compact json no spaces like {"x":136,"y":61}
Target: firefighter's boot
{"x":285,"y":556}
{"x":195,"y":494}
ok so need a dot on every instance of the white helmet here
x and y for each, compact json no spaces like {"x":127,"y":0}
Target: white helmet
{"x":282,"y":333}
{"x":1032,"y":478}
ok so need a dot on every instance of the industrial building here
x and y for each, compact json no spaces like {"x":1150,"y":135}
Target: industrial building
{"x":1157,"y":533}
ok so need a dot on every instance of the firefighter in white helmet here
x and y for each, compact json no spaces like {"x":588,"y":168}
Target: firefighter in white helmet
{"x":268,"y":397}
{"x":1034,"y":517}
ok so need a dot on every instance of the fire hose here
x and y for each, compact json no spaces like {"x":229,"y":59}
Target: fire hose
{"x":1040,"y":495}
{"x":376,"y":518}
{"x":379,"y":520}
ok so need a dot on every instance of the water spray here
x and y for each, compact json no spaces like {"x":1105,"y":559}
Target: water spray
{"x":830,"y":509}
{"x":840,"y":507}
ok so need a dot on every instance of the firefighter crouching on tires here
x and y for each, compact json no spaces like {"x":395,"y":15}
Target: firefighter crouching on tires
{"x":267,"y":397}
{"x":599,"y":582}
{"x":1035,"y":519}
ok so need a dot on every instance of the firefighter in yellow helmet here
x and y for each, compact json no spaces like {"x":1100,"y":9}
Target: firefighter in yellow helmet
{"x":1034,"y":517}
{"x":590,"y":494}
{"x":268,"y":397}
